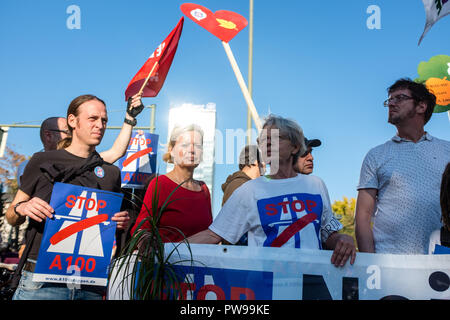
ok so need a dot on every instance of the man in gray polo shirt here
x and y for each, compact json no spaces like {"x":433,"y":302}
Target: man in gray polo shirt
{"x":400,"y":179}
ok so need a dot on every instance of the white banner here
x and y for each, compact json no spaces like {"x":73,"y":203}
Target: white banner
{"x":237,"y":273}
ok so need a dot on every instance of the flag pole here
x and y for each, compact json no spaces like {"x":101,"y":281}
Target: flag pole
{"x":148,"y":77}
{"x":250,"y":70}
{"x":243,"y":86}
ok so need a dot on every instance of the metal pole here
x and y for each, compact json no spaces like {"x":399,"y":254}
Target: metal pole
{"x":151,"y":128}
{"x":250,"y":70}
{"x":152,"y":118}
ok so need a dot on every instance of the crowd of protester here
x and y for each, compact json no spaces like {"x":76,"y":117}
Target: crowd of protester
{"x":403,"y":204}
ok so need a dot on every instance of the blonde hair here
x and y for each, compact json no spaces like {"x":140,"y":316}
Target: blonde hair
{"x":176,"y":132}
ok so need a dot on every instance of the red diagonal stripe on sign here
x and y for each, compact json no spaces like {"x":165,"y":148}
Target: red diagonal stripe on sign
{"x":295,"y":227}
{"x":77,"y":227}
{"x":136,"y":155}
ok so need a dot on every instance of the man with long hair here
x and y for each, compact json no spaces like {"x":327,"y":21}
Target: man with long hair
{"x":77,"y":163}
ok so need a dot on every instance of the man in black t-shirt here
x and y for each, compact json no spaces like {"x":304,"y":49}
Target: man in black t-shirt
{"x":54,"y":129}
{"x":79,"y":164}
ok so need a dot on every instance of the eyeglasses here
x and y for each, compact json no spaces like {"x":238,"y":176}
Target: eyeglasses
{"x":308,"y":151}
{"x":62,"y":131}
{"x":396,"y":99}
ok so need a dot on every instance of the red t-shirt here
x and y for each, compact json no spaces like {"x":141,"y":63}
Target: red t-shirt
{"x":186,"y":210}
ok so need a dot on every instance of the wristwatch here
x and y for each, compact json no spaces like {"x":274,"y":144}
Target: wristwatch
{"x":15,"y":208}
{"x":130,"y":122}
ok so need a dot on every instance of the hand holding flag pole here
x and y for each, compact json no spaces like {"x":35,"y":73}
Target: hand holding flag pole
{"x":225,"y":25}
{"x":133,"y":111}
{"x":151,"y":73}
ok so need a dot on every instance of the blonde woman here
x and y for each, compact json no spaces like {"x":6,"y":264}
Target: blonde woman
{"x":188,"y":209}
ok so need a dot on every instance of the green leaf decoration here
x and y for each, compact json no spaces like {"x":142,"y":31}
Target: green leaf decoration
{"x":437,"y":67}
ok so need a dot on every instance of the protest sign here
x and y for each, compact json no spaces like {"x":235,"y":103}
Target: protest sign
{"x":77,"y":243}
{"x":441,"y":249}
{"x":139,"y":162}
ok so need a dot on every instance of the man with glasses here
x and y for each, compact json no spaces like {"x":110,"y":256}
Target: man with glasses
{"x":400,"y":179}
{"x":305,"y":163}
{"x":52,"y":131}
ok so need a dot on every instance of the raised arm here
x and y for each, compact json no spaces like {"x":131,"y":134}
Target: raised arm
{"x":134,"y":107}
{"x":365,"y":206}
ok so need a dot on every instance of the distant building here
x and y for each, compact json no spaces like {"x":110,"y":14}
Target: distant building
{"x":205,"y":117}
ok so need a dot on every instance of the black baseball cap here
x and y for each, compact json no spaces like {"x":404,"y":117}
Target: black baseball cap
{"x":312,"y":143}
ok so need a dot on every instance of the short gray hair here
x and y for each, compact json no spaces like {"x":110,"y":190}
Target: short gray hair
{"x":289,"y":128}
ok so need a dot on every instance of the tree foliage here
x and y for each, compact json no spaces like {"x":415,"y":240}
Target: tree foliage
{"x":345,"y":212}
{"x":9,"y":165}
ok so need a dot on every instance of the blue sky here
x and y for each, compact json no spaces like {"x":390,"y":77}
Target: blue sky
{"x":314,"y":61}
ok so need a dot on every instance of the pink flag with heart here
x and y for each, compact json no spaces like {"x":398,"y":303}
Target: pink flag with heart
{"x":225,"y":25}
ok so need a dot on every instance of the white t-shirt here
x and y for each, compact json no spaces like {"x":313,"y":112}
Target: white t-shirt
{"x":294,"y":212}
{"x":408,"y":178}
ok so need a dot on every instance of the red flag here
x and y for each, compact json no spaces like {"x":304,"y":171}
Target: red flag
{"x":155,"y":69}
